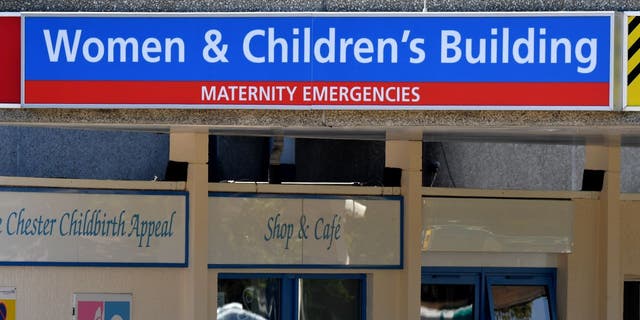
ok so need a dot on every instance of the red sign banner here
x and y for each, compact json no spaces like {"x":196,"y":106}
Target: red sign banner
{"x":10,"y":58}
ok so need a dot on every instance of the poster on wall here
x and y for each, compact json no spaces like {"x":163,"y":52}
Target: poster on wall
{"x":364,"y":61}
{"x":631,"y":58}
{"x":73,"y":227}
{"x":280,"y":231}
{"x":8,"y":303}
{"x":102,"y":306}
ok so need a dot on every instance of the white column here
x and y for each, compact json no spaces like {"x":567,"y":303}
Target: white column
{"x":191,"y":145}
{"x":608,"y":236}
{"x":404,"y":150}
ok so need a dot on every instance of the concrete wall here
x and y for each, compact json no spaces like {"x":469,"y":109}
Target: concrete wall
{"x":318,"y":5}
{"x":471,"y":165}
{"x":47,"y":292}
{"x":504,"y":165}
{"x":580,"y":272}
{"x":122,"y":155}
{"x":162,"y":293}
{"x":630,"y":238}
{"x":630,"y":169}
{"x":82,"y":154}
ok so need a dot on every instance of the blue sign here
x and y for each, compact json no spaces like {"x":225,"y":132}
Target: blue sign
{"x":291,"y":60}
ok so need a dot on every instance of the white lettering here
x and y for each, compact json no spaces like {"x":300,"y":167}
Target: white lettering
{"x":393,"y":45}
{"x":168,"y":44}
{"x":534,"y":48}
{"x":363,"y":46}
{"x":298,"y":45}
{"x":86,"y":50}
{"x":62,"y":38}
{"x":591,"y":59}
{"x":528,"y":43}
{"x":151,"y":46}
{"x":450,"y":45}
{"x":112,"y":43}
{"x":273,"y":42}
{"x":117,"y":49}
{"x":420,"y":54}
{"x":246,"y":46}
{"x":482,"y":56}
{"x":344,"y":46}
{"x":247,"y":93}
{"x":330,"y":43}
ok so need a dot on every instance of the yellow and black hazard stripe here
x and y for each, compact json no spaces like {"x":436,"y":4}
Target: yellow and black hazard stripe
{"x":633,"y":41}
{"x":633,"y":61}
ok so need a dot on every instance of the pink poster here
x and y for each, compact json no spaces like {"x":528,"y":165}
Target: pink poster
{"x":90,"y":310}
{"x":109,"y":306}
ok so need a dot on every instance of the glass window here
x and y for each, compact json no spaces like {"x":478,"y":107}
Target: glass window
{"x":520,"y":302}
{"x":631,"y":309}
{"x":522,"y":295}
{"x":330,"y":299}
{"x":447,"y":301}
{"x":248,"y":299}
{"x":291,"y":297}
{"x":488,"y":293}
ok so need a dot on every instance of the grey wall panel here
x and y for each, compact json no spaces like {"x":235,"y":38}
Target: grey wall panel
{"x":319,"y":5}
{"x":505,"y":165}
{"x":162,"y":6}
{"x":373,"y":5}
{"x":8,"y":150}
{"x":87,"y":154}
{"x":238,"y":158}
{"x":630,"y":169}
{"x":321,"y":160}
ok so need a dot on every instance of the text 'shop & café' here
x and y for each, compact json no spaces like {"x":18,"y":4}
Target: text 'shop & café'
{"x":192,"y":250}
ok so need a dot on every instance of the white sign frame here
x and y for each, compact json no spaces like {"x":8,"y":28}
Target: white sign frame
{"x":8,"y":293}
{"x":503,"y":225}
{"x":128,"y":213}
{"x":379,"y":224}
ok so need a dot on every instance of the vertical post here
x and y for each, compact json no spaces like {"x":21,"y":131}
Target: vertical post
{"x":191,"y":145}
{"x":610,"y":198}
{"x":608,"y":230}
{"x":403,"y":150}
{"x":578,"y":270}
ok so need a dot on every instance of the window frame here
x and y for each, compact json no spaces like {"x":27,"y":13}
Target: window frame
{"x":484,"y":277}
